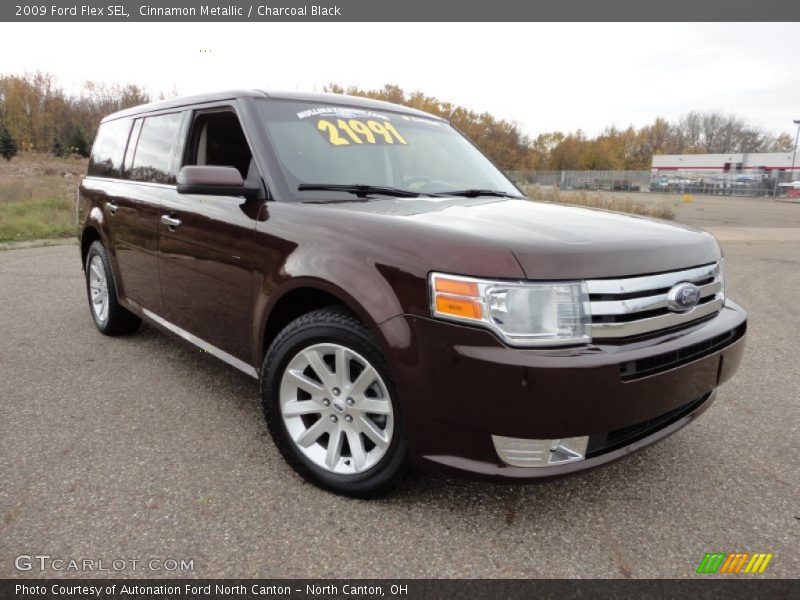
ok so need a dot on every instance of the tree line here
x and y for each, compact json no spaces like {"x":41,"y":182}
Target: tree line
{"x":36,"y":114}
{"x":632,"y":148}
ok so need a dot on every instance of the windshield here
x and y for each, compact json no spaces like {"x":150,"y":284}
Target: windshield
{"x":319,"y":145}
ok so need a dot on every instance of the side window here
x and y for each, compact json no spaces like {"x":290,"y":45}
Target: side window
{"x":108,"y":148}
{"x":153,"y":158}
{"x":127,"y":163}
{"x":217,"y":139}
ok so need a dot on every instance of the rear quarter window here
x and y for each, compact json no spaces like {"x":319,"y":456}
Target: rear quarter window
{"x":109,"y":148}
{"x":152,"y":160}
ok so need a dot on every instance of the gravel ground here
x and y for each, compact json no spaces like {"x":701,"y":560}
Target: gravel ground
{"x":143,"y":447}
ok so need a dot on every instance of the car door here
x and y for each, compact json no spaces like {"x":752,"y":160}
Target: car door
{"x":132,"y":211}
{"x":206,"y":242}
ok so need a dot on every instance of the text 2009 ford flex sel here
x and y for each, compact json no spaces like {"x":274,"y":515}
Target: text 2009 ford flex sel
{"x":395,"y":294}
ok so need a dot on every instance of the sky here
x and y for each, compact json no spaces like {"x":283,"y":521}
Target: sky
{"x":543,"y":76}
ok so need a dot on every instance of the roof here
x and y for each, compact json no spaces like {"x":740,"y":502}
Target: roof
{"x":319,"y":97}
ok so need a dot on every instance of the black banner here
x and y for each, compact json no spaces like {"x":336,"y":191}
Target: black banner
{"x":452,"y":589}
{"x":407,"y":10}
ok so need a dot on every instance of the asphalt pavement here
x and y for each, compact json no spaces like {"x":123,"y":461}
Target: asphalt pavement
{"x":145,"y":448}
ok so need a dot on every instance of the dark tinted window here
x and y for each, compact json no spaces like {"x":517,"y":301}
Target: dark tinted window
{"x":152,"y":161}
{"x":109,"y":147}
{"x":128,"y":162}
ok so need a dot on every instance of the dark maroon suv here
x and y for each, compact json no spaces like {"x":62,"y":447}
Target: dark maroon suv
{"x":395,"y":294}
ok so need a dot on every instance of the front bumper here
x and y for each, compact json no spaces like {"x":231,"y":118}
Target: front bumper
{"x":459,"y":386}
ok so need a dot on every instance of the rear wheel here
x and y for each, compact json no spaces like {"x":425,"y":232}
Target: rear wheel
{"x":109,"y":317}
{"x":330,"y":404}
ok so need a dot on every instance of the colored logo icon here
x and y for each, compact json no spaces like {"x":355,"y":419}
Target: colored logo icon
{"x":736,"y":562}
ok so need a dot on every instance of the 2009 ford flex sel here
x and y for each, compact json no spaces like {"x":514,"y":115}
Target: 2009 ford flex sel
{"x":395,"y":294}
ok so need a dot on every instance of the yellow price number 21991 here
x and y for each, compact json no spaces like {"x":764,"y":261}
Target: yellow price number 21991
{"x":353,"y":131}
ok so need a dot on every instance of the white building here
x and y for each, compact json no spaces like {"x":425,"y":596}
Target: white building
{"x":747,"y":163}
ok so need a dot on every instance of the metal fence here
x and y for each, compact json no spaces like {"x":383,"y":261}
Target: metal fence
{"x":718,"y":183}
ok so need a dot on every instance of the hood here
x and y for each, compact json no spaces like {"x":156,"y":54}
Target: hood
{"x":553,"y":241}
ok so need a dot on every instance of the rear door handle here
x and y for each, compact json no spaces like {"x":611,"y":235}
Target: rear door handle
{"x":171,"y":222}
{"x":112,"y":208}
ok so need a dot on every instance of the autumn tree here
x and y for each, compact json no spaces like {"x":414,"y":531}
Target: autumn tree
{"x":37,"y":111}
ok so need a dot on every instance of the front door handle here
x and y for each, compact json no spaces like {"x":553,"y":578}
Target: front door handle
{"x":112,"y":208}
{"x":172,"y":222}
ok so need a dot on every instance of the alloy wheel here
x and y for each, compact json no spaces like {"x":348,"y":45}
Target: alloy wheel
{"x":336,"y":408}
{"x":98,"y":289}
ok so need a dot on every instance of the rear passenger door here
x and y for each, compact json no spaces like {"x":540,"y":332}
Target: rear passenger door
{"x":147,"y":173}
{"x":206,"y":242}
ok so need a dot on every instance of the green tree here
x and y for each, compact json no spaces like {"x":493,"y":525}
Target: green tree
{"x":58,"y":147}
{"x":78,"y":144}
{"x":8,"y":145}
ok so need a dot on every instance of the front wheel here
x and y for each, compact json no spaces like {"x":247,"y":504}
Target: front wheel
{"x":330,"y":404}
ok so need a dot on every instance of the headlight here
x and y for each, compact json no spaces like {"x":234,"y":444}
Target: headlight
{"x":521,"y":313}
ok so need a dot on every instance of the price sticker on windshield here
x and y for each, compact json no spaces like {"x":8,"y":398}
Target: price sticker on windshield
{"x":339,"y":131}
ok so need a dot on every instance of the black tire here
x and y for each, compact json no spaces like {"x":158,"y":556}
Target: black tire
{"x":339,"y":326}
{"x":119,"y":320}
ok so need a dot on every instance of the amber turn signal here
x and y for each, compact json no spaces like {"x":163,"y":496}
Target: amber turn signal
{"x":454,"y":286}
{"x":459,"y":307}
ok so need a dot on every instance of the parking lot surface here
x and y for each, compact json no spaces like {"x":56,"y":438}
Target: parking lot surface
{"x":144,"y":447}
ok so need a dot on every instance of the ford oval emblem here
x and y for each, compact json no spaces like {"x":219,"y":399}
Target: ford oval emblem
{"x":683,"y":297}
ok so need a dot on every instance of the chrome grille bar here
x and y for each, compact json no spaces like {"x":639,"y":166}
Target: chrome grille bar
{"x":615,"y":303}
{"x":632,"y":285}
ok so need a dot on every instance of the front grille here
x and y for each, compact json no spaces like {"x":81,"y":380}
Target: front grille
{"x":634,"y":307}
{"x":618,"y":438}
{"x":636,"y":369}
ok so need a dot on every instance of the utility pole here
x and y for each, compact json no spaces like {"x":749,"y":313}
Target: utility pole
{"x":796,"y":139}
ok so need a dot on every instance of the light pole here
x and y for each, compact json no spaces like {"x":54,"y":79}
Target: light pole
{"x":796,"y":139}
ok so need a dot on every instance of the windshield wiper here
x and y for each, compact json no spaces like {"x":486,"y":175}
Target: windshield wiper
{"x":476,"y":192}
{"x":358,"y":189}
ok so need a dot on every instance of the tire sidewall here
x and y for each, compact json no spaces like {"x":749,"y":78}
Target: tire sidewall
{"x":279,"y":355}
{"x":97,"y":249}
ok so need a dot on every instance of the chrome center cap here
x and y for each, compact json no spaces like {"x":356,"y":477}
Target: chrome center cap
{"x":338,"y":405}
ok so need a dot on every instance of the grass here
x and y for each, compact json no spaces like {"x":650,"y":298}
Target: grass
{"x":37,"y":196}
{"x":36,"y":219}
{"x":615,"y":203}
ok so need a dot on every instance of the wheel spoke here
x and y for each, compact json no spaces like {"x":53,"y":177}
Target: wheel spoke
{"x":334,"y":452}
{"x":320,"y":368}
{"x":356,"y":449}
{"x":342,"y":375}
{"x":304,"y":383}
{"x":374,"y":406}
{"x":301,"y":407}
{"x":98,"y":272}
{"x":363,"y":381}
{"x":313,"y":433}
{"x":372,"y":431}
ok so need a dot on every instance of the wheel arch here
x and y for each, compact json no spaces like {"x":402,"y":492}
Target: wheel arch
{"x":300,"y":297}
{"x":89,"y":235}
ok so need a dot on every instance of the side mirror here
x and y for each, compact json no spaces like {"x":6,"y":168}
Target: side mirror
{"x":214,"y":181}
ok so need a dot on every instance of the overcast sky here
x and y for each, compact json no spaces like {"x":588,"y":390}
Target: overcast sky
{"x":543,"y":76}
